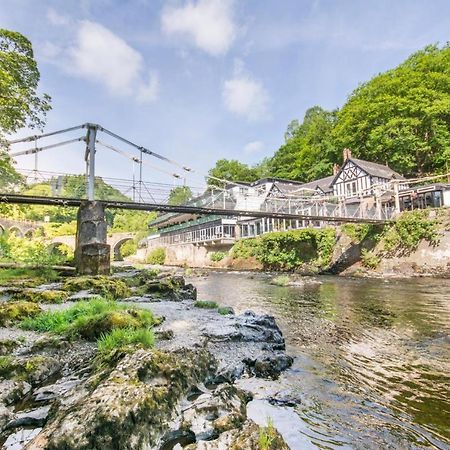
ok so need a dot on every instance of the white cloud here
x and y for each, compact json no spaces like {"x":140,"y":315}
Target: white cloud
{"x":208,"y":24}
{"x":100,"y":55}
{"x":56,"y":19}
{"x":245,"y":96}
{"x":253,"y":147}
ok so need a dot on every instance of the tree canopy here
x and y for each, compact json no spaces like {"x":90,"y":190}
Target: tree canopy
{"x":400,"y":118}
{"x":20,"y":105}
{"x":179,"y":195}
{"x":232,"y":170}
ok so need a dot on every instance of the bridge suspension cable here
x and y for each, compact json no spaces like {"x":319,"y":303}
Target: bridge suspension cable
{"x":34,"y":150}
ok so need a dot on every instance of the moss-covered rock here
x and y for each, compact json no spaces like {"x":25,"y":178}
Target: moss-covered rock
{"x":105,"y":286}
{"x":12,"y":312}
{"x":7,"y":346}
{"x":131,"y":406}
{"x":49,"y":296}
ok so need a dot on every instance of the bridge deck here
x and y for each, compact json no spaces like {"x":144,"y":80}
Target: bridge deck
{"x":76,"y":202}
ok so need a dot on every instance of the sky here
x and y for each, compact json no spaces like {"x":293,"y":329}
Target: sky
{"x":201,"y":80}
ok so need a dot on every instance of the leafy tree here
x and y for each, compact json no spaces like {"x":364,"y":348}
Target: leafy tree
{"x":19,"y":77}
{"x":179,"y":195}
{"x":309,"y":151}
{"x":19,"y":103}
{"x":291,"y":129}
{"x":402,"y":116}
{"x":232,"y":170}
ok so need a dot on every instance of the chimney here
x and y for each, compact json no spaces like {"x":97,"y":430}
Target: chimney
{"x":335,"y":169}
{"x":347,"y":154}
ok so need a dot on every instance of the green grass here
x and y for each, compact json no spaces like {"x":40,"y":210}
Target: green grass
{"x":267,"y":436}
{"x":206,"y":304}
{"x":123,"y":337}
{"x":31,"y":276}
{"x":282,"y":280}
{"x":90,"y":319}
{"x":225,"y":310}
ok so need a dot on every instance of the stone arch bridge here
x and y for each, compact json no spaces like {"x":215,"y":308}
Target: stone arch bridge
{"x":114,"y":240}
{"x":21,"y":228}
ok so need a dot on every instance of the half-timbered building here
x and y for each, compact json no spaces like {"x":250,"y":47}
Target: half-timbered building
{"x":357,"y":178}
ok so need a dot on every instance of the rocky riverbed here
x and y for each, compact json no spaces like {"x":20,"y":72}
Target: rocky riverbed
{"x":190,"y":390}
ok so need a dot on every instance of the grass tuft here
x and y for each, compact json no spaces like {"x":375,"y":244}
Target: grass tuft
{"x":120,"y":338}
{"x":282,"y":280}
{"x":206,"y":304}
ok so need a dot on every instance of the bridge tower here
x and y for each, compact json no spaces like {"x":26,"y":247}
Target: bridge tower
{"x":92,"y":253}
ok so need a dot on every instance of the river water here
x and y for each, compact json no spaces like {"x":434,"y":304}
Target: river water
{"x":372,"y":357}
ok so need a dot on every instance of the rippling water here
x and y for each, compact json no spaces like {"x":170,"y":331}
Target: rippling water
{"x":372,"y":360}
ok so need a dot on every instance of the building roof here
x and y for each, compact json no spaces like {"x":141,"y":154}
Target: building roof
{"x":324,"y":184}
{"x":377,"y":170}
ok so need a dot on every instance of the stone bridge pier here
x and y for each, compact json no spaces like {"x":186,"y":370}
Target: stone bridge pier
{"x":92,"y":253}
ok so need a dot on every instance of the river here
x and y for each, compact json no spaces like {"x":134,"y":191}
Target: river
{"x":372,"y":358}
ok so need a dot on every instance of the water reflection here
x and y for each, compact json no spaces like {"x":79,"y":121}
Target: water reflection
{"x":373,"y":358}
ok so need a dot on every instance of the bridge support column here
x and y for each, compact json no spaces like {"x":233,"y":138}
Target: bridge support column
{"x":92,"y":253}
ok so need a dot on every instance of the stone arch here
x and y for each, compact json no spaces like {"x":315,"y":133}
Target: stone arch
{"x":29,"y":233}
{"x":58,"y":247}
{"x":15,"y":230}
{"x":117,"y":255}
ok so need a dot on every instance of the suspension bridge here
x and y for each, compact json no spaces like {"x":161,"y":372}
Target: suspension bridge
{"x":136,"y":193}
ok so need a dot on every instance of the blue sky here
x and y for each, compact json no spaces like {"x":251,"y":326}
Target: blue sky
{"x":201,"y":80}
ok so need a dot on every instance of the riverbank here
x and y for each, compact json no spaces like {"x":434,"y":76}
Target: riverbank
{"x":131,"y":361}
{"x":416,"y":245}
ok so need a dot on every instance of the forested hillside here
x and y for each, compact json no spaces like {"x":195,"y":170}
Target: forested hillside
{"x":400,"y":117}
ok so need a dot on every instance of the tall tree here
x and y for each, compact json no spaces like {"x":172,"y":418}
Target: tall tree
{"x":20,"y":104}
{"x":402,"y":116}
{"x":309,"y":152}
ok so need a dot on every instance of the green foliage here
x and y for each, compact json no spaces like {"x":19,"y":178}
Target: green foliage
{"x":402,"y":115}
{"x":90,"y":319}
{"x":309,"y":152}
{"x":7,"y":366}
{"x":217,"y":256}
{"x":282,"y":280}
{"x":12,"y":312}
{"x":289,"y":250}
{"x":156,"y":256}
{"x":132,"y":221}
{"x":369,"y":259}
{"x":128,"y":248}
{"x":19,"y":77}
{"x":225,"y":310}
{"x":27,"y":277}
{"x":409,"y":229}
{"x":232,"y":170}
{"x":267,"y":436}
{"x":206,"y":304}
{"x":53,"y":229}
{"x":358,"y":232}
{"x":104,"y":286}
{"x":179,"y":195}
{"x":36,"y":251}
{"x":120,"y":338}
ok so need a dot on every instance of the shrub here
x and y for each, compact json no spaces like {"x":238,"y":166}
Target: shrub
{"x":206,"y":304}
{"x":409,"y":229}
{"x":104,"y":286}
{"x":128,"y":248}
{"x":217,"y":256}
{"x":156,"y":256}
{"x":267,"y":436}
{"x":123,"y":337}
{"x":369,"y":259}
{"x":288,"y":250}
